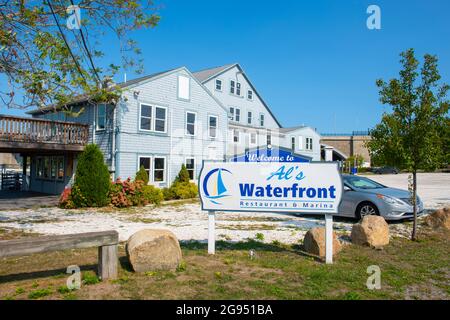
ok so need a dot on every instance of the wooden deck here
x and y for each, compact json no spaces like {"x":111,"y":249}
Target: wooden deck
{"x":20,"y":134}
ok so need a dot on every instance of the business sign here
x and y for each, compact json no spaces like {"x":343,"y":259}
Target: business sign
{"x":270,"y":186}
{"x":274,"y":154}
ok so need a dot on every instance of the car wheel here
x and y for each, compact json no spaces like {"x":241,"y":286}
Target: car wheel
{"x":366,"y":209}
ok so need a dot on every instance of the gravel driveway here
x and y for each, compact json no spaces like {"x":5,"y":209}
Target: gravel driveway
{"x":188,"y":222}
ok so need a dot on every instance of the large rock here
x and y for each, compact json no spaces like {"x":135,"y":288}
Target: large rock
{"x":314,"y":242}
{"x":440,"y":219}
{"x":371,"y":231}
{"x":153,"y":249}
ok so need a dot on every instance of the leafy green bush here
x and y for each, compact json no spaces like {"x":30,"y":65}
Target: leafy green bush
{"x":181,"y":188}
{"x":142,"y":175}
{"x":183,"y":175}
{"x":152,"y":194}
{"x":92,"y":180}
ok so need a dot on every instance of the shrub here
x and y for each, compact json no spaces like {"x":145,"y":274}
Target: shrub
{"x":181,"y":188}
{"x":142,"y":175}
{"x":183,"y":175}
{"x":92,"y":181}
{"x":65,"y":200}
{"x":152,"y":194}
{"x":127,"y":193}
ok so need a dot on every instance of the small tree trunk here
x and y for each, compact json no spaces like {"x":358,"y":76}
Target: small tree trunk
{"x":414,"y":197}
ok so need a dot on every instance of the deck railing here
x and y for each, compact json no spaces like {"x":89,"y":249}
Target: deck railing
{"x":31,"y":130}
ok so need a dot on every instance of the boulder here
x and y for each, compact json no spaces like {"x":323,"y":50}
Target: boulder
{"x":372,"y":231}
{"x":153,"y":250}
{"x":440,"y":219}
{"x":314,"y":242}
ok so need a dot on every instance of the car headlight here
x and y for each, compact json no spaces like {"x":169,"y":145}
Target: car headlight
{"x":391,"y":200}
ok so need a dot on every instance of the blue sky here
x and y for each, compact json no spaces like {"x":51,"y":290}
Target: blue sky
{"x":313,"y":62}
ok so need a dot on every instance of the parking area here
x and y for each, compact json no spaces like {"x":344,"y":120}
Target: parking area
{"x":433,"y":188}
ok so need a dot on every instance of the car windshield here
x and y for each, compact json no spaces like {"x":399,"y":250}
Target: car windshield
{"x":361,"y":183}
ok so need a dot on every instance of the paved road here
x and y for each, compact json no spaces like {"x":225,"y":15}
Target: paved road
{"x":433,"y":188}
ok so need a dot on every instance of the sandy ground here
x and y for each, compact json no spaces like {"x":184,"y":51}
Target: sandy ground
{"x":188,"y":222}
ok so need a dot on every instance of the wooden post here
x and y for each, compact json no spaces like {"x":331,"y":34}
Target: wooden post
{"x":328,"y":238}
{"x":211,"y":232}
{"x":107,"y":262}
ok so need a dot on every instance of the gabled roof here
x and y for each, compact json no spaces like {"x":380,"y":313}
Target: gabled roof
{"x":83,"y":97}
{"x":284,"y":130}
{"x":207,"y":74}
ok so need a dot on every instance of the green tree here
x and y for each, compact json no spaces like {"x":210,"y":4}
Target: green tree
{"x":183,"y":175}
{"x":92,"y":180}
{"x":412,"y":135}
{"x":142,"y":175}
{"x":47,"y":61}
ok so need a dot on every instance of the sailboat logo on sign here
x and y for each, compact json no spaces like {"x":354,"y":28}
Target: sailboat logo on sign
{"x":215,"y":189}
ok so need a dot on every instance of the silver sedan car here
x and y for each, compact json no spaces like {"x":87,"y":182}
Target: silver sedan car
{"x":363,"y":196}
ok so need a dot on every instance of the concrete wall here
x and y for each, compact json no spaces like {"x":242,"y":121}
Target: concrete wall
{"x":349,"y":145}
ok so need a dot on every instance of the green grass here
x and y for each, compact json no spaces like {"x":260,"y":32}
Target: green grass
{"x":416,"y":270}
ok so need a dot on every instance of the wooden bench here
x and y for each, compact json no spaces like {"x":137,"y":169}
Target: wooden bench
{"x":106,"y":241}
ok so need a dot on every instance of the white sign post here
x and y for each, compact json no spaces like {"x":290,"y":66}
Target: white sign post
{"x":314,"y":188}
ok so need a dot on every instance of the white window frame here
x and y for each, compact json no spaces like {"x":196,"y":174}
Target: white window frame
{"x":249,"y":117}
{"x":294,"y":142}
{"x":220,"y":85}
{"x":209,"y":126}
{"x":179,"y":87}
{"x":232,"y":86}
{"x":250,"y":93}
{"x":250,"y":138}
{"x":238,"y":136}
{"x":236,"y":113}
{"x":309,"y":146}
{"x":186,"y":124}
{"x":238,"y":88}
{"x":164,"y":170}
{"x":194,"y":171}
{"x":150,"y":172}
{"x":269,"y":137}
{"x":97,"y":128}
{"x":153,"y":117}
{"x":231,"y":116}
{"x":262,"y":119}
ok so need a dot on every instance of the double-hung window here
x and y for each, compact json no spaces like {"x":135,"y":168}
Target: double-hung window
{"x":153,"y":118}
{"x":232,"y":86}
{"x":293,"y":143}
{"x":249,"y":117}
{"x":212,"y":126}
{"x":309,"y":144}
{"x":231,"y":116}
{"x":238,"y":88}
{"x":101,"y":117}
{"x":236,"y":136}
{"x":269,"y":138}
{"x":190,"y":123}
{"x":249,"y":94}
{"x":237,"y":115}
{"x":261,"y":120}
{"x":146,"y":163}
{"x":218,"y":85}
{"x":159,"y":169}
{"x":253,"y":139}
{"x":190,"y":167}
